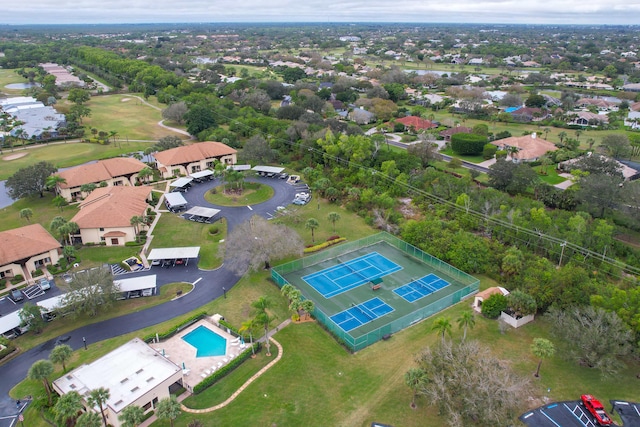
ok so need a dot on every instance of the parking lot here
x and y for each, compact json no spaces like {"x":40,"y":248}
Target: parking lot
{"x":571,"y":413}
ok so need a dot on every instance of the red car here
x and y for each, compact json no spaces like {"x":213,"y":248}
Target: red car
{"x":596,"y":409}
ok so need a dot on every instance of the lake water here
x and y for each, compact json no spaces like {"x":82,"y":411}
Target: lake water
{"x":21,"y":85}
{"x":5,"y":200}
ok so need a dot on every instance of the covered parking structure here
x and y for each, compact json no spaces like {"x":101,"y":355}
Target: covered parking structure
{"x":205,"y":175}
{"x":10,"y":325}
{"x":267,"y":170}
{"x":143,"y":286}
{"x":174,"y":254}
{"x":51,"y":306}
{"x":201,"y":214}
{"x":181,"y":184}
{"x":175,"y":202}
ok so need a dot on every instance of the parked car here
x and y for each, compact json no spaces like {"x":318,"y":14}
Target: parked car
{"x":167,"y":263}
{"x":180,"y":261}
{"x":16,"y":295}
{"x":596,"y":409}
{"x":156,"y":262}
{"x":284,"y":175}
{"x":44,"y":284}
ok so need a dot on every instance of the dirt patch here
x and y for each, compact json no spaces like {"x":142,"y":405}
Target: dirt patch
{"x":14,"y":156}
{"x":125,"y":100}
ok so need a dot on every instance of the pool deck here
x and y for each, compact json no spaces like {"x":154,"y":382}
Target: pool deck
{"x":179,"y":351}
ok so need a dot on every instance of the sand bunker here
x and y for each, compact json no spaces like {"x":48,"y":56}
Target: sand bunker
{"x":14,"y":156}
{"x":125,"y":99}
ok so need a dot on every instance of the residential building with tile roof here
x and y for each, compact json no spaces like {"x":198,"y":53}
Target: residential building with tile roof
{"x":446,"y":134}
{"x":25,"y":249}
{"x":528,"y":148}
{"x":185,"y":160}
{"x":416,"y":123}
{"x":105,"y":215}
{"x":119,"y":171}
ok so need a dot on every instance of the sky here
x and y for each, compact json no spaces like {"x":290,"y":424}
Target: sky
{"x":576,"y":12}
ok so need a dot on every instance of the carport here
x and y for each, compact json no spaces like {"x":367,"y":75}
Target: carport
{"x":50,"y":305}
{"x":205,"y":175}
{"x":175,"y":202}
{"x":240,"y":168}
{"x":174,"y":254}
{"x":200,"y":214}
{"x":181,"y":184}
{"x":267,"y":170}
{"x":143,"y":286}
{"x":9,"y":322}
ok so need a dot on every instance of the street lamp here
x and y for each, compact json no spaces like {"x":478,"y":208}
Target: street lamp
{"x":224,"y":292}
{"x":84,"y":341}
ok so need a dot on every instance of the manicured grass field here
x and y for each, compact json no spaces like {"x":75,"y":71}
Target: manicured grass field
{"x":550,"y":176}
{"x":173,"y":231}
{"x":253,"y":193}
{"x":8,"y":76}
{"x":43,"y":212}
{"x":468,"y":158}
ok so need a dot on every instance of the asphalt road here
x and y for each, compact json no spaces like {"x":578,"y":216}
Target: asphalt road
{"x":209,"y":287}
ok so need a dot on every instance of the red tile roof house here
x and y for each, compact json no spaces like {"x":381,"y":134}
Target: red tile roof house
{"x":182,"y":161}
{"x":528,"y":148}
{"x":25,"y":249}
{"x":114,"y":172}
{"x":415,"y":124}
{"x":105,"y":215}
{"x":446,"y":134}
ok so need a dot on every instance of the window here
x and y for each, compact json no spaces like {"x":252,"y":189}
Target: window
{"x":195,"y":168}
{"x":155,"y":401}
{"x":117,"y":183}
{"x":146,"y":407}
{"x":102,"y":239}
{"x":115,"y":241}
{"x":101,"y":228}
{"x":210,"y":165}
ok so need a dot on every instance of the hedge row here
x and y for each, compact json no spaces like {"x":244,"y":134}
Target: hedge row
{"x":468,"y":143}
{"x":7,"y":350}
{"x":175,"y":329}
{"x":226,"y":369}
{"x":323,"y":245}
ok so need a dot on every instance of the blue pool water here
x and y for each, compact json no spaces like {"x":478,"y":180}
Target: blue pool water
{"x":206,"y":342}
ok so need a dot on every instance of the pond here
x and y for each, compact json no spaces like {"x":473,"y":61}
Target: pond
{"x":5,"y":200}
{"x":21,"y":85}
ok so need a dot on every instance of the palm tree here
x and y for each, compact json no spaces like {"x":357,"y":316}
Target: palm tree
{"x":145,"y":173}
{"x":59,"y":202}
{"x":89,"y":419}
{"x":98,"y":397}
{"x":148,"y":151}
{"x":261,"y":307}
{"x":135,"y":222}
{"x":414,"y":378}
{"x":333,"y":217}
{"x":26,"y":213}
{"x":41,"y":370}
{"x":308,"y":306}
{"x":168,"y":409}
{"x":546,"y":132}
{"x":52,"y":182}
{"x":68,"y":407}
{"x":466,"y":321}
{"x":67,"y":230}
{"x":131,"y":416}
{"x":69,"y":252}
{"x":542,"y":348}
{"x":312,"y":224}
{"x":248,"y":326}
{"x":443,"y":326}
{"x":562,"y":135}
{"x":61,"y":354}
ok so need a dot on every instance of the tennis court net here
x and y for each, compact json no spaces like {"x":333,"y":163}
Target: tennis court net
{"x":353,"y":270}
{"x":364,"y":312}
{"x":424,"y":286}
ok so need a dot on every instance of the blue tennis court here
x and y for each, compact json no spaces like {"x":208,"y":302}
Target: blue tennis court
{"x":420,"y":288}
{"x":348,"y":275}
{"x":361,"y":314}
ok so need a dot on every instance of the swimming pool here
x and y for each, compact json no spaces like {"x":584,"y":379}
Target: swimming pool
{"x":206,"y":342}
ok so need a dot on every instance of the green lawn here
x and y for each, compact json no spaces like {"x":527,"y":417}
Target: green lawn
{"x":174,"y":231}
{"x":43,"y":212}
{"x":468,"y":158}
{"x":8,"y":76}
{"x":253,"y":193}
{"x":550,"y":176}
{"x":125,"y":114}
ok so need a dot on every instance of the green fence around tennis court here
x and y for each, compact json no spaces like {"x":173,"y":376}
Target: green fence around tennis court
{"x":471,"y":285}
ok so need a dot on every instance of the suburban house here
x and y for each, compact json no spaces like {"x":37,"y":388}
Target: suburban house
{"x":361,"y":116}
{"x":587,"y":118}
{"x":528,"y":114}
{"x":600,"y":104}
{"x":446,"y":134}
{"x":415,"y":124}
{"x":182,"y":161}
{"x":116,"y":172}
{"x":134,"y":374}
{"x":26,"y":249}
{"x":628,"y":173}
{"x":526,"y":148}
{"x":633,"y":120}
{"x":105,"y":215}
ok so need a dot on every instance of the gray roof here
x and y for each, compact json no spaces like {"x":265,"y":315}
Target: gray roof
{"x":175,"y":199}
{"x":267,"y":169}
{"x":174,"y":253}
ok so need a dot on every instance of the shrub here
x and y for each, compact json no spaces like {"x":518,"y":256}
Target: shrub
{"x":214,"y":229}
{"x":489,"y":151}
{"x":330,"y":238}
{"x":226,"y":369}
{"x":492,"y":306}
{"x":177,"y":328}
{"x":323,"y":245}
{"x":17,"y":279}
{"x":9,"y":348}
{"x":468,"y":143}
{"x":501,"y":154}
{"x":37,"y":272}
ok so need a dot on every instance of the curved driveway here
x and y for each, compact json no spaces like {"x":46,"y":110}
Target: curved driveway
{"x":207,"y":289}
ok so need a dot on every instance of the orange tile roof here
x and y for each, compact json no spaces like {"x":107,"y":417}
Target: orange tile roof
{"x":193,"y":153}
{"x":416,"y":122}
{"x":488,"y":292}
{"x":100,"y":171}
{"x":112,"y":207}
{"x":25,"y":242}
{"x":530,"y":146}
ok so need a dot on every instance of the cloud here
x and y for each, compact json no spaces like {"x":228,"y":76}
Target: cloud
{"x":460,"y":11}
